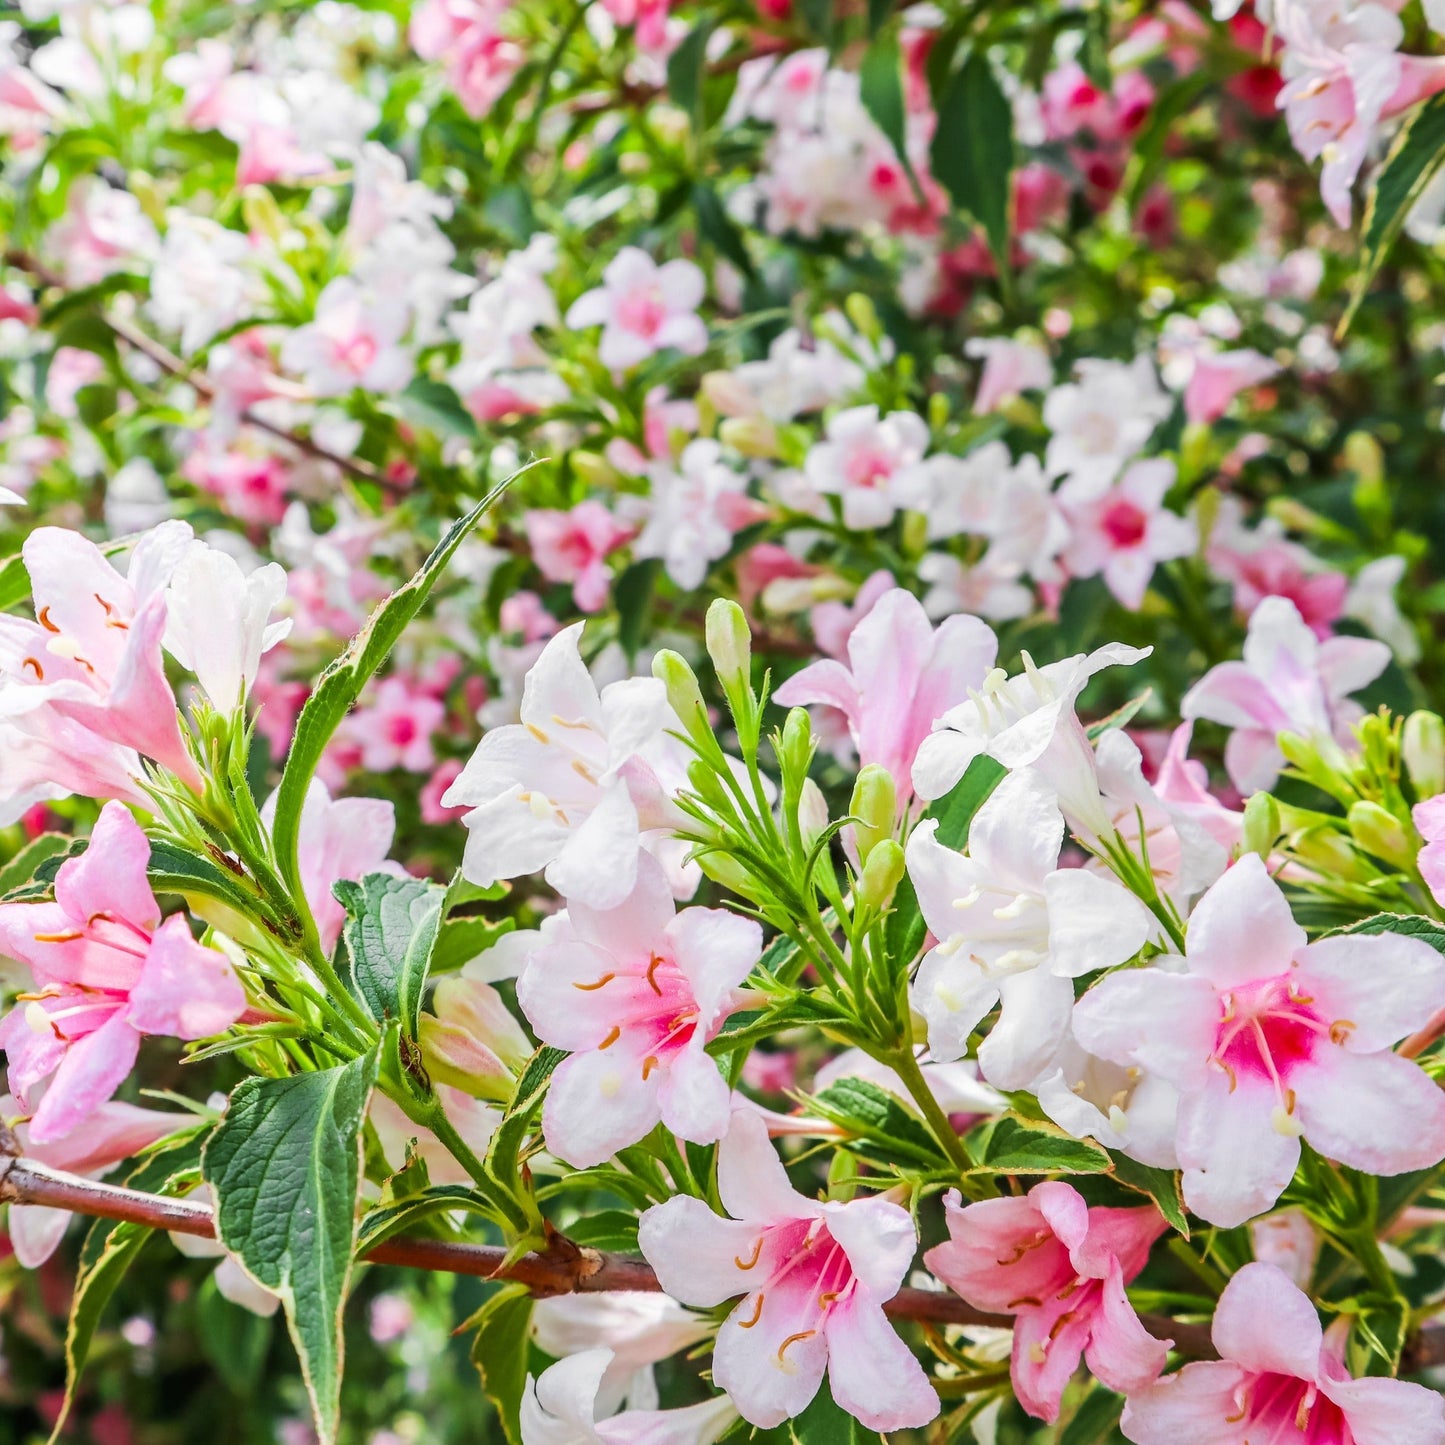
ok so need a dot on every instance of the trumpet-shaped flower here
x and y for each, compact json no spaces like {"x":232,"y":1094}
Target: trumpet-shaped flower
{"x":1278,"y":1378}
{"x":573,"y":547}
{"x":1269,"y":1039}
{"x":862,"y":459}
{"x":94,"y":653}
{"x":643,"y":308}
{"x":106,"y":972}
{"x":1060,"y":1269}
{"x":1014,"y":929}
{"x":815,"y":1278}
{"x":553,"y":791}
{"x":1288,"y":682}
{"x":636,"y":994}
{"x":560,"y":1408}
{"x":901,"y":676}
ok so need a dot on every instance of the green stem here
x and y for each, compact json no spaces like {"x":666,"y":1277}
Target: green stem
{"x":906,"y":1067}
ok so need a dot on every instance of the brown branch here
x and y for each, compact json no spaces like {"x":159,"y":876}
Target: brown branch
{"x":563,"y":1268}
{"x":173,"y":365}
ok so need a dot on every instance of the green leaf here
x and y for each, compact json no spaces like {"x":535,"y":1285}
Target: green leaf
{"x":1409,"y":167}
{"x":233,"y":1339}
{"x":609,"y":1229}
{"x":1120,"y":717}
{"x":506,"y":1142}
{"x":21,"y":869}
{"x":633,"y":598}
{"x":825,"y":1422}
{"x":1012,"y":1147}
{"x":880,"y":80}
{"x":285,"y":1167}
{"x":1378,"y":1337}
{"x":390,"y":931}
{"x":685,"y":69}
{"x":174,"y":869}
{"x":1094,"y":1421}
{"x":878,"y":13}
{"x":460,"y":940}
{"x":500,"y":1350}
{"x":1407,"y":925}
{"x":434,"y":405}
{"x":111,"y":1248}
{"x":717,"y":228}
{"x":389,"y":1219}
{"x":905,"y":929}
{"x":1161,"y":1185}
{"x":870,"y":1113}
{"x":340,"y":686}
{"x":14,"y":582}
{"x":973,"y":150}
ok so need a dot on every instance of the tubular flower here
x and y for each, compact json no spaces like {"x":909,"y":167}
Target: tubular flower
{"x":814,"y":1278}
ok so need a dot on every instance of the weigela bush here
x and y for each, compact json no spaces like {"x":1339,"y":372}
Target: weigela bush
{"x":760,"y":681}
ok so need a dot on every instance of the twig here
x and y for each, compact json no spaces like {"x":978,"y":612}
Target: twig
{"x":173,"y":365}
{"x":564,"y":1268}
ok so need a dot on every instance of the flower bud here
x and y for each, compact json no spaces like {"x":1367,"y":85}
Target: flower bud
{"x":914,"y":534}
{"x":1327,"y":851}
{"x":861,"y":311}
{"x":472,"y":1042}
{"x":812,"y":812}
{"x":753,"y":436}
{"x":1261,"y":825}
{"x":881,"y":875}
{"x":1423,"y":749}
{"x":729,"y":643}
{"x":593,"y":469}
{"x":842,"y":1176}
{"x":1380,"y":833}
{"x":874,"y":805}
{"x":683,"y":694}
{"x":729,"y":872}
{"x":796,"y":747}
{"x":727,"y":395}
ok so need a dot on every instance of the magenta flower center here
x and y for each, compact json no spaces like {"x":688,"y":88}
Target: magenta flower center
{"x":641,"y":312}
{"x":868,"y":466}
{"x":356,"y":353}
{"x":1285,"y":1410}
{"x":1124,"y":524}
{"x":803,"y":1271}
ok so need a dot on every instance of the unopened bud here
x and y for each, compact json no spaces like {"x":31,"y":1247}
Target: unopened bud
{"x":861,"y":311}
{"x":874,"y":805}
{"x":1261,"y":828}
{"x":729,"y":643}
{"x":1327,"y":851}
{"x":914,"y":534}
{"x":1380,"y":833}
{"x":1423,"y":748}
{"x":812,"y":812}
{"x":728,"y":396}
{"x":683,"y":694}
{"x":472,"y":1042}
{"x":261,"y":213}
{"x":842,"y":1176}
{"x":753,"y":436}
{"x":796,"y":746}
{"x":594,"y":469}
{"x":1371,"y":495}
{"x":881,"y":875}
{"x":938,"y":411}
{"x":729,"y":872}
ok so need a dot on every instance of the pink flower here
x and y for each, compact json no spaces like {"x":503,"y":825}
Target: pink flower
{"x":636,"y":993}
{"x":863,"y":455}
{"x":1218,"y":377}
{"x":1288,"y":682}
{"x":102,"y":231}
{"x":1429,"y":818}
{"x":1060,"y":1269}
{"x":94,"y":655}
{"x":464,"y":34}
{"x":1125,"y":531}
{"x":251,"y":485}
{"x":1009,"y":368}
{"x":354,"y":341}
{"x":339,"y":838}
{"x":1278,"y":1378}
{"x":111,"y":1134}
{"x":900,"y":678}
{"x":1281,"y":569}
{"x":395,"y":729}
{"x":815,"y":1278}
{"x":433,"y":812}
{"x":107,"y":971}
{"x":643,"y":308}
{"x":573,"y":547}
{"x":71,"y":370}
{"x":1269,"y":1039}
{"x":833,"y":622}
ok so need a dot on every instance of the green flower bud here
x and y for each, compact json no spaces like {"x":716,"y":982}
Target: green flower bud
{"x":1261,"y":825}
{"x":472,"y":1042}
{"x":1423,"y":748}
{"x":881,"y":875}
{"x":683,"y":694}
{"x":753,"y":436}
{"x":729,"y":643}
{"x":796,"y":746}
{"x":1328,"y":851}
{"x":874,"y":804}
{"x":861,"y":311}
{"x":1380,"y":833}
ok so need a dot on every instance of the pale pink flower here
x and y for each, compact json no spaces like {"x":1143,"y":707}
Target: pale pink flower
{"x":433,"y":812}
{"x":464,"y":34}
{"x":1288,"y":682}
{"x":94,"y":654}
{"x":1009,"y":369}
{"x":470,"y":1039}
{"x":1060,"y":1269}
{"x":1288,"y":1240}
{"x":1218,"y":377}
{"x":1101,"y":420}
{"x":1344,"y":75}
{"x":1278,"y":1378}
{"x":900,"y":678}
{"x":643,"y":308}
{"x":1429,"y":819}
{"x":251,"y":484}
{"x":1125,"y":531}
{"x":394,"y":728}
{"x":354,"y":341}
{"x":1183,"y":786}
{"x":862,"y":457}
{"x":833,"y":622}
{"x":71,"y":370}
{"x":561,"y":790}
{"x":815,"y":1277}
{"x":636,"y":994}
{"x":106,"y":971}
{"x":1274,"y":567}
{"x":339,"y":838}
{"x":561,"y":1407}
{"x":110,"y":1135}
{"x":475,"y":1120}
{"x":573,"y":547}
{"x":102,"y":231}
{"x":1269,"y":1039}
